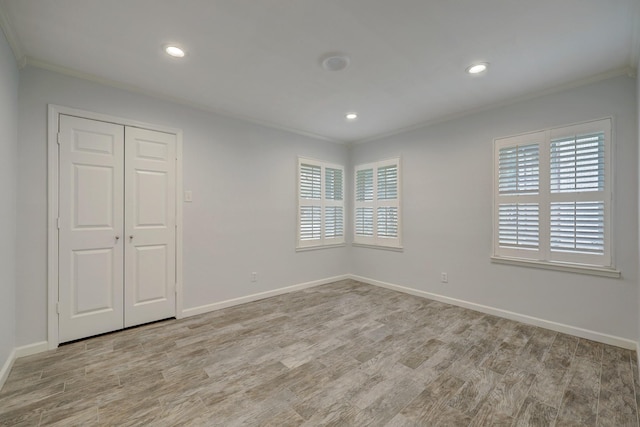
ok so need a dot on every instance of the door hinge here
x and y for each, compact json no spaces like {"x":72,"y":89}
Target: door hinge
{"x":58,"y":223}
{"x":58,"y":307}
{"x":59,"y":137}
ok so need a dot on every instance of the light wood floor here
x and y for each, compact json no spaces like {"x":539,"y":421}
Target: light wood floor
{"x":341,"y":354}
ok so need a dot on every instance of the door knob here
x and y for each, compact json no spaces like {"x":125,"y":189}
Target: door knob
{"x":117,"y":238}
{"x":131,"y":237}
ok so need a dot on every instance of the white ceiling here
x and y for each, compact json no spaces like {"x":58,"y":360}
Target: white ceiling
{"x":259,"y":60}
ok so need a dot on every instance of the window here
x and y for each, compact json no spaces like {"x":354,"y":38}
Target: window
{"x":320,"y":204}
{"x":553,"y":194}
{"x":377,"y":204}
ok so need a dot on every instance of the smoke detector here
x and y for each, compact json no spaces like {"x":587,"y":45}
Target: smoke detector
{"x":334,"y":61}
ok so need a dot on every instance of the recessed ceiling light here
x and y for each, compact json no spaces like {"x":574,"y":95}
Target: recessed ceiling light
{"x":174,"y":51}
{"x":477,"y":68}
{"x":334,"y":61}
{"x":351,"y":116}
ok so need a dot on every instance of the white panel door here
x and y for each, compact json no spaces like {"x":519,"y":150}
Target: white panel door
{"x":90,"y":257}
{"x":150,"y":225}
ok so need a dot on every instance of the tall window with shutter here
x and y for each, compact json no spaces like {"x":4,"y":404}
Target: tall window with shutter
{"x":552,"y":196}
{"x":320,"y":204}
{"x":377,"y":204}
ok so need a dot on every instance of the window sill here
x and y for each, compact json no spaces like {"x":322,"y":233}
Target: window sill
{"x":557,"y":266}
{"x":386,"y":248}
{"x":315,"y":248}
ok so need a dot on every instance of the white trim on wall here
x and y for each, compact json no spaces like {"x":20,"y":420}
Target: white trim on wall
{"x":179,"y":227}
{"x":523,"y":318}
{"x":530,"y":320}
{"x":25,"y":350}
{"x":262,"y":295}
{"x":629,"y":71}
{"x":45,"y":65}
{"x":54,"y":112}
{"x":6,"y":368}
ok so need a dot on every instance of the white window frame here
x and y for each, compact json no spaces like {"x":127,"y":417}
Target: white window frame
{"x":394,"y":243}
{"x":323,"y":203}
{"x":544,"y":256}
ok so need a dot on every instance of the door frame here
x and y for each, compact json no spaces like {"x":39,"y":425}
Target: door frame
{"x":54,"y":111}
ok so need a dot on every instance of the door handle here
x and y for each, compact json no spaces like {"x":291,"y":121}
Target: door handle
{"x":131,"y":237}
{"x":117,"y":238}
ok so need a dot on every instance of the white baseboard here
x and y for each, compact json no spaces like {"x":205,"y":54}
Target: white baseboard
{"x":28,"y":350}
{"x":6,"y":368}
{"x":535,"y":321}
{"x":25,"y":350}
{"x":194,"y":311}
{"x":39,"y":347}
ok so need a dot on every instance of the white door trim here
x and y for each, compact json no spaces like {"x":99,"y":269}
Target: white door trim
{"x":53,"y":210}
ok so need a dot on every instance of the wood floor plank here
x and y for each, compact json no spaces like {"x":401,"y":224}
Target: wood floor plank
{"x":579,"y":409}
{"x":549,"y":385}
{"x":534,"y":413}
{"x":473,"y":393}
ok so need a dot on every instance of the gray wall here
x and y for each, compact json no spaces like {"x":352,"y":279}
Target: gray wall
{"x":242,"y":218}
{"x":243,"y":214}
{"x":8,"y":176}
{"x":447,"y":190}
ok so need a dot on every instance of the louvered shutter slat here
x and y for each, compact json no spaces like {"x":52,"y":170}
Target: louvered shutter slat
{"x":577,"y":163}
{"x":334,"y":184}
{"x":334,"y":220}
{"x":310,"y":181}
{"x":364,"y":185}
{"x":388,"y":182}
{"x":578,"y":226}
{"x":518,"y":225}
{"x":364,"y":222}
{"x":310,"y":222}
{"x":519,"y":169}
{"x":387,"y":222}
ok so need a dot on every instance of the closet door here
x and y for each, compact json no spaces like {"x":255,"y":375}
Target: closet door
{"x":91,"y":168}
{"x":150,"y":226}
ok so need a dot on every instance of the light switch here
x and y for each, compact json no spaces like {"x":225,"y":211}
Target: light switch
{"x":188,"y":196}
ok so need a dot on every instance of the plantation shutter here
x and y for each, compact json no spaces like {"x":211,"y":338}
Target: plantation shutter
{"x":519,"y":169}
{"x":519,"y":225}
{"x":577,"y":163}
{"x":377,"y":204}
{"x":518,"y":185}
{"x":552,"y":195}
{"x":310,"y":209}
{"x":387,"y":210}
{"x":577,"y":227}
{"x":364,"y":203}
{"x":579,"y":196}
{"x":320,"y":204}
{"x":310,"y":223}
{"x":334,"y":203}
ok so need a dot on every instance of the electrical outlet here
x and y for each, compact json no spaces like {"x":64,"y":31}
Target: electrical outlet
{"x":188,"y":196}
{"x":444,"y":277}
{"x":254,"y":277}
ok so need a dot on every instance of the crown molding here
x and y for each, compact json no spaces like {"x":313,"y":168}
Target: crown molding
{"x":27,"y":60}
{"x":34,"y":62}
{"x":12,"y":39}
{"x":624,"y":71}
